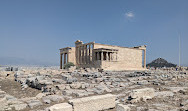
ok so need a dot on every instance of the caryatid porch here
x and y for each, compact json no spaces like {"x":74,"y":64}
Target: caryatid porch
{"x":106,"y":54}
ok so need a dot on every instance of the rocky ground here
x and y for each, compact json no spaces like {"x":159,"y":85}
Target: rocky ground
{"x":39,"y":88}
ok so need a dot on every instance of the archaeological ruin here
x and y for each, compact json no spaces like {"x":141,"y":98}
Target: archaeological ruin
{"x":102,"y":56}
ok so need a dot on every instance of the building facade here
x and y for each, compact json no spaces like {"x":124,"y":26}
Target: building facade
{"x":102,"y":56}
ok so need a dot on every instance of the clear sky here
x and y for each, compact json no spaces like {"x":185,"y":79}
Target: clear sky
{"x":35,"y":30}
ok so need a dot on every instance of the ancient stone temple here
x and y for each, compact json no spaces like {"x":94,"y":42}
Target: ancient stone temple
{"x":102,"y":56}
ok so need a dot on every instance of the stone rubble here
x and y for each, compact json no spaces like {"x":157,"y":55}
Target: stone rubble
{"x":152,"y":90}
{"x":121,"y":107}
{"x":93,"y":103}
{"x":61,"y":107}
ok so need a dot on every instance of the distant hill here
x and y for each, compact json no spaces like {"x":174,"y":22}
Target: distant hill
{"x":160,"y":62}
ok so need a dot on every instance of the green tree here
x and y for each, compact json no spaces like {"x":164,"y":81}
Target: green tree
{"x":68,"y":65}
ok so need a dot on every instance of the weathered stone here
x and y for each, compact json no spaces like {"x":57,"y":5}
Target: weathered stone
{"x":28,"y":99}
{"x":164,"y":94}
{"x":24,"y":86}
{"x":34,"y":103}
{"x":61,"y":107}
{"x":49,"y":88}
{"x":3,"y":103}
{"x":121,"y":107}
{"x":40,"y":95}
{"x":142,"y":82}
{"x":14,"y":101}
{"x":19,"y":106}
{"x":141,"y":109}
{"x":58,"y":81}
{"x":122,"y":85}
{"x":76,"y":85}
{"x":67,"y":87}
{"x":185,"y":103}
{"x":46,"y":100}
{"x":103,"y":87}
{"x":61,"y":86}
{"x":55,"y":98}
{"x":66,"y":77}
{"x":108,"y":83}
{"x":145,"y":93}
{"x":80,"y":93}
{"x":2,"y":94}
{"x":83,"y":86}
{"x":71,"y":80}
{"x":10,"y":98}
{"x":93,"y":103}
{"x":176,"y":89}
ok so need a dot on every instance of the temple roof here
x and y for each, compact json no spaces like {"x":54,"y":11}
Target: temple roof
{"x":105,"y":49}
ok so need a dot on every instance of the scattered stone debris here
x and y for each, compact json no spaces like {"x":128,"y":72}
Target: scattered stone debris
{"x":61,"y":107}
{"x":144,"y":94}
{"x":50,"y":89}
{"x":121,"y":107}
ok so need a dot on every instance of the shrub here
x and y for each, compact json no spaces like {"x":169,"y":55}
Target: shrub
{"x":68,"y":65}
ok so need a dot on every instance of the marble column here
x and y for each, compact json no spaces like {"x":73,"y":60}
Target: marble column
{"x":83,"y":54}
{"x":64,"y":58}
{"x":107,"y":57}
{"x":61,"y":61}
{"x":80,"y":55}
{"x":116,"y":56}
{"x":67,"y":57}
{"x":110,"y":56}
{"x":113,"y":56}
{"x":86,"y":61}
{"x":89,"y":59}
{"x":77,"y":55}
{"x":98,"y":58}
{"x":92,"y":55}
{"x":102,"y":56}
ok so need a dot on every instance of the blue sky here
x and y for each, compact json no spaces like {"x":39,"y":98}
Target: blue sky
{"x":35,"y":30}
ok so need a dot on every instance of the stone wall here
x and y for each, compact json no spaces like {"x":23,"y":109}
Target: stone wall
{"x":127,"y":58}
{"x":71,"y":56}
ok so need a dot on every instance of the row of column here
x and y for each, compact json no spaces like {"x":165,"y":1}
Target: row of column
{"x":84,"y":54}
{"x":109,"y":56}
{"x":63,"y":62}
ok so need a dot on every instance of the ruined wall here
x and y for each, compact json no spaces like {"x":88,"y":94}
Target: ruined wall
{"x":127,"y":58}
{"x":71,"y":56}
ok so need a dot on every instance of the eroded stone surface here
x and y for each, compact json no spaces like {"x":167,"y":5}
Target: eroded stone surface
{"x":121,"y":107}
{"x":93,"y":103}
{"x":39,"y":88}
{"x":61,"y":107}
{"x":145,"y":93}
